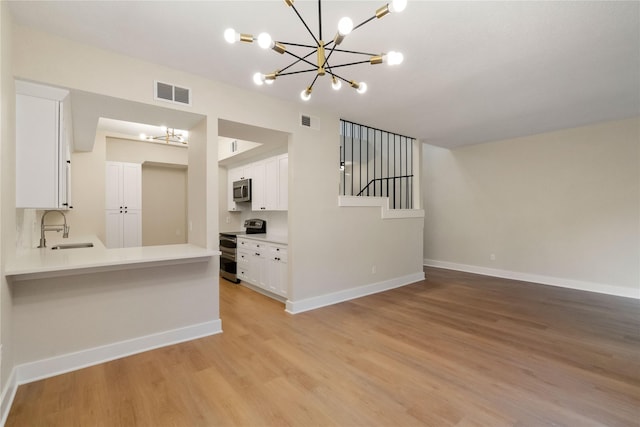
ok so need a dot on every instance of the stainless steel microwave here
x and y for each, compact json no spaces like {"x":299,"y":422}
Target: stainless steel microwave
{"x":242,"y":190}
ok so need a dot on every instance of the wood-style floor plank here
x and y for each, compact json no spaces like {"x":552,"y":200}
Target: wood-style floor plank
{"x":454,"y":350}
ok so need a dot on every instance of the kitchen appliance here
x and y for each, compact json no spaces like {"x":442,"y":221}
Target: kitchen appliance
{"x":242,"y":190}
{"x":229,"y":244}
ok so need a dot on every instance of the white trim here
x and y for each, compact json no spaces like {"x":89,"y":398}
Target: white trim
{"x":8,"y":394}
{"x":383,"y":203}
{"x":45,"y":368}
{"x":536,"y":278}
{"x":295,"y":307}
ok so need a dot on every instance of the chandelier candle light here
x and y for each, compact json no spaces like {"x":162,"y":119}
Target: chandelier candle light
{"x":320,"y":48}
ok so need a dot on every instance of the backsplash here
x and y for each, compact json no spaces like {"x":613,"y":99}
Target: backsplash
{"x":277,"y":221}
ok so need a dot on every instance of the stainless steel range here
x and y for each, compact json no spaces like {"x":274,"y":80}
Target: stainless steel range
{"x":228,"y":245}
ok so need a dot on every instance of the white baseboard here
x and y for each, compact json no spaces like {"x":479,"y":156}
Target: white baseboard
{"x":295,"y":307}
{"x":45,"y":368}
{"x":536,"y":278}
{"x":8,"y":394}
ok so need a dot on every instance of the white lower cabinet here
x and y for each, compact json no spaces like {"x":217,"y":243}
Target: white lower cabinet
{"x":263,"y":264}
{"x":123,"y":228}
{"x":277,"y":270}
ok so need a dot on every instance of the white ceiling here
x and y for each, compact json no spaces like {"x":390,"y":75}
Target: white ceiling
{"x":473,"y":72}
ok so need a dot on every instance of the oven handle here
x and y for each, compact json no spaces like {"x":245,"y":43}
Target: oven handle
{"x":228,"y":239}
{"x":228,"y":256}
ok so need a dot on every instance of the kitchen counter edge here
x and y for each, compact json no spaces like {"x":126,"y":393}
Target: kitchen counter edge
{"x":271,"y":238}
{"x":43,"y":263}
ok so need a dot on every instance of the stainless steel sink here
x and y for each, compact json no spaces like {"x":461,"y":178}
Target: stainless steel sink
{"x":72,"y":246}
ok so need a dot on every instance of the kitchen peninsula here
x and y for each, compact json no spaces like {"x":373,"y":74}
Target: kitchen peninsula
{"x":77,"y":307}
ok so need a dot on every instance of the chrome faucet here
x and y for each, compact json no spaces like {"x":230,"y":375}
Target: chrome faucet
{"x":57,"y":227}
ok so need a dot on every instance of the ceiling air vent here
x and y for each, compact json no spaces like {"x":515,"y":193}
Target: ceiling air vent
{"x":309,"y":122}
{"x":172,"y":93}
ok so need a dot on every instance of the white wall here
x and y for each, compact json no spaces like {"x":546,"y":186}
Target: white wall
{"x":164,"y":205}
{"x":133,"y":151}
{"x":7,"y":191}
{"x":559,"y":208}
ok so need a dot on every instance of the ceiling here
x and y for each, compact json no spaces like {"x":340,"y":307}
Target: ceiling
{"x":473,"y":71}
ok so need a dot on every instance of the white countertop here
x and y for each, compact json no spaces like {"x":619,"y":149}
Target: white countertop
{"x":46,"y":262}
{"x":267,"y":237}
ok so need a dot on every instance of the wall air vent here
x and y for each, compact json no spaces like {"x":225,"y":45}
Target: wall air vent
{"x":171,"y":93}
{"x":309,"y":122}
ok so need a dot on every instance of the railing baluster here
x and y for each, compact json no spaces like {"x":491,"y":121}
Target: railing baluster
{"x":392,"y":182}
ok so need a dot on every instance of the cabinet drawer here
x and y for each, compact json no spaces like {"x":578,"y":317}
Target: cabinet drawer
{"x":251,"y":245}
{"x":243,"y":257}
{"x":279,"y":252}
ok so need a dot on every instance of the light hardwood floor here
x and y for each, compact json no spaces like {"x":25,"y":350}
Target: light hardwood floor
{"x":454,"y":350}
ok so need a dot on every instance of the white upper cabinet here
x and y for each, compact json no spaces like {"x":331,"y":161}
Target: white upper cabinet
{"x":258,"y":186}
{"x":270,"y":184}
{"x":43,"y":139}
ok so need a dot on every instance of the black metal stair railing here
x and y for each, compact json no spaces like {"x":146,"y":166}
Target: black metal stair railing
{"x":376,"y":163}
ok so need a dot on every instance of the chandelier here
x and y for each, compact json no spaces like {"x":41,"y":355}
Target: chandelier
{"x":322,"y":50}
{"x":175,"y":136}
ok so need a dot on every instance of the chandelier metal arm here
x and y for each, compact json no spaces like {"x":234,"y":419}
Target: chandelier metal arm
{"x":350,"y":63}
{"x":295,"y":62}
{"x":300,"y":58}
{"x":300,"y":45}
{"x":340,"y":77}
{"x":305,"y":24}
{"x":366,"y":21}
{"x":298,"y":72}
{"x":319,"y":20}
{"x":356,"y":53}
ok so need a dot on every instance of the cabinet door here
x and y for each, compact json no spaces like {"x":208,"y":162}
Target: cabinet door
{"x":278,"y":273}
{"x":280,"y":277}
{"x":131,"y":228}
{"x":271,"y":183}
{"x":37,"y":132}
{"x":258,"y":200}
{"x":132,"y":185}
{"x":114,"y":221}
{"x":283,"y":182}
{"x":113,"y":186}
{"x":243,"y":265}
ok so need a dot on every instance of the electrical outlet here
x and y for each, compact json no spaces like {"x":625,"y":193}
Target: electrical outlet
{"x":228,"y":219}
{"x":190,"y":226}
{"x":492,"y":257}
{"x":373,"y":269}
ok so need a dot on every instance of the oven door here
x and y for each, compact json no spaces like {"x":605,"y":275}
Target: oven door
{"x":227,"y":242}
{"x":228,"y":266}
